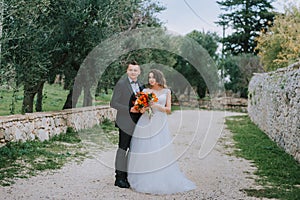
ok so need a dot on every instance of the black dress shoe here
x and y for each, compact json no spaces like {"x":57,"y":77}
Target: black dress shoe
{"x":127,"y":182}
{"x":122,"y":183}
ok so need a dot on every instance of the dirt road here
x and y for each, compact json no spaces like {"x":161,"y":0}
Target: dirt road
{"x":205,"y":161}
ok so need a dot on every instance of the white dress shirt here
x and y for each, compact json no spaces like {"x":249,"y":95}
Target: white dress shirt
{"x":134,"y":85}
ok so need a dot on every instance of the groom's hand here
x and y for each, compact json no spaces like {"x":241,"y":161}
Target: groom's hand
{"x":133,"y":110}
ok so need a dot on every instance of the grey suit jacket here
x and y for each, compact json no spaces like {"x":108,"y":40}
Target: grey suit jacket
{"x":122,"y":100}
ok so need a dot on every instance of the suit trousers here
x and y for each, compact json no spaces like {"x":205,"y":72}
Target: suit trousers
{"x":122,"y":155}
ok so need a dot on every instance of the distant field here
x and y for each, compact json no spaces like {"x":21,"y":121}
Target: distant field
{"x":54,"y":97}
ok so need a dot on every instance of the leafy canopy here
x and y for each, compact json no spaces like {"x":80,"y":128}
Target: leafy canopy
{"x":279,"y":46}
{"x":247,"y":18}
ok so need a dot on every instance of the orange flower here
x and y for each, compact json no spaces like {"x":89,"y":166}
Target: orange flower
{"x":144,"y":99}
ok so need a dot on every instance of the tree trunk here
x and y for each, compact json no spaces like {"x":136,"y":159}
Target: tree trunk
{"x":201,"y":91}
{"x":39,"y":99}
{"x":72,"y":98}
{"x":1,"y":25}
{"x":189,"y":93}
{"x":29,"y":93}
{"x":98,"y":89}
{"x":1,"y":22}
{"x":68,"y":103}
{"x":87,"y":100}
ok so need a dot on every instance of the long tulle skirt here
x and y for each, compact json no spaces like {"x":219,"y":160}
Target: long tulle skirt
{"x":152,"y":164}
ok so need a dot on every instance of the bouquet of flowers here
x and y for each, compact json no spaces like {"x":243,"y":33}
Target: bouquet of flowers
{"x":143,"y":100}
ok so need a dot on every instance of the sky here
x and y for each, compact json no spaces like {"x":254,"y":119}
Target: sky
{"x":184,"y":16}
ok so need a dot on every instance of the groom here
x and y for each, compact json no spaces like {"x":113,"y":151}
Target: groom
{"x":127,"y":116}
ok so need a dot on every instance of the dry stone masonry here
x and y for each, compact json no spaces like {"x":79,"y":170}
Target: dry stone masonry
{"x":44,"y":125}
{"x":274,"y":105}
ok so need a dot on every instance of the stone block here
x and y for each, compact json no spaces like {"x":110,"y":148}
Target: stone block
{"x":42,"y":135}
{"x":2,"y":135}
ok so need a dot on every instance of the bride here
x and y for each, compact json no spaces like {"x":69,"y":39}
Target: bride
{"x":152,"y":167}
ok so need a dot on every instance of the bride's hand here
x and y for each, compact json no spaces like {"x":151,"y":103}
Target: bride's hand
{"x":143,"y":110}
{"x":152,"y":105}
{"x":133,"y":110}
{"x":158,"y":107}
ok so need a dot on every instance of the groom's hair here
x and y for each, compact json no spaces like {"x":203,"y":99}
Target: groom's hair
{"x":131,"y":62}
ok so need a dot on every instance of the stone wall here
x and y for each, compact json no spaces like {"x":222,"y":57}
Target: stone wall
{"x":274,"y":105}
{"x":229,"y":103}
{"x":44,"y":125}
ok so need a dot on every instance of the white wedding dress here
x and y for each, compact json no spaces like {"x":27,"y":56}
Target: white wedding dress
{"x":152,"y":166}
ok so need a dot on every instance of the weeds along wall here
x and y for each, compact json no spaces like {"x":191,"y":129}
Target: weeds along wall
{"x":44,"y":125}
{"x":274,"y":105}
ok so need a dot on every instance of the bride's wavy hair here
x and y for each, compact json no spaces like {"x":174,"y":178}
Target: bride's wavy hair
{"x":159,"y":77}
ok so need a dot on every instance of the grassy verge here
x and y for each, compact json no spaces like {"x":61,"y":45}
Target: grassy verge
{"x":179,"y":107}
{"x":278,"y":172}
{"x":100,"y":136}
{"x":24,"y":159}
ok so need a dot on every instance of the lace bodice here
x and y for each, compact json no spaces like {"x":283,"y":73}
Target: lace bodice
{"x":161,"y":95}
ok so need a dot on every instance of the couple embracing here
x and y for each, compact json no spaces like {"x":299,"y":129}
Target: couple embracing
{"x":145,"y":160}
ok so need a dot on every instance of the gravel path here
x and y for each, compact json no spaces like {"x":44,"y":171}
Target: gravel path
{"x":204,"y":160}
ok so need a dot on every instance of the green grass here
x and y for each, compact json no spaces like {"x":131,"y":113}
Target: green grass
{"x":179,"y":107}
{"x":278,"y":172}
{"x":103,"y":99}
{"x":24,"y":159}
{"x":54,"y":97}
{"x":6,"y":99}
{"x":110,"y":131}
{"x":101,"y":136}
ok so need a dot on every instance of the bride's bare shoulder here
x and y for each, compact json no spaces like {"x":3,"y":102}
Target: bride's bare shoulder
{"x":167,"y":90}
